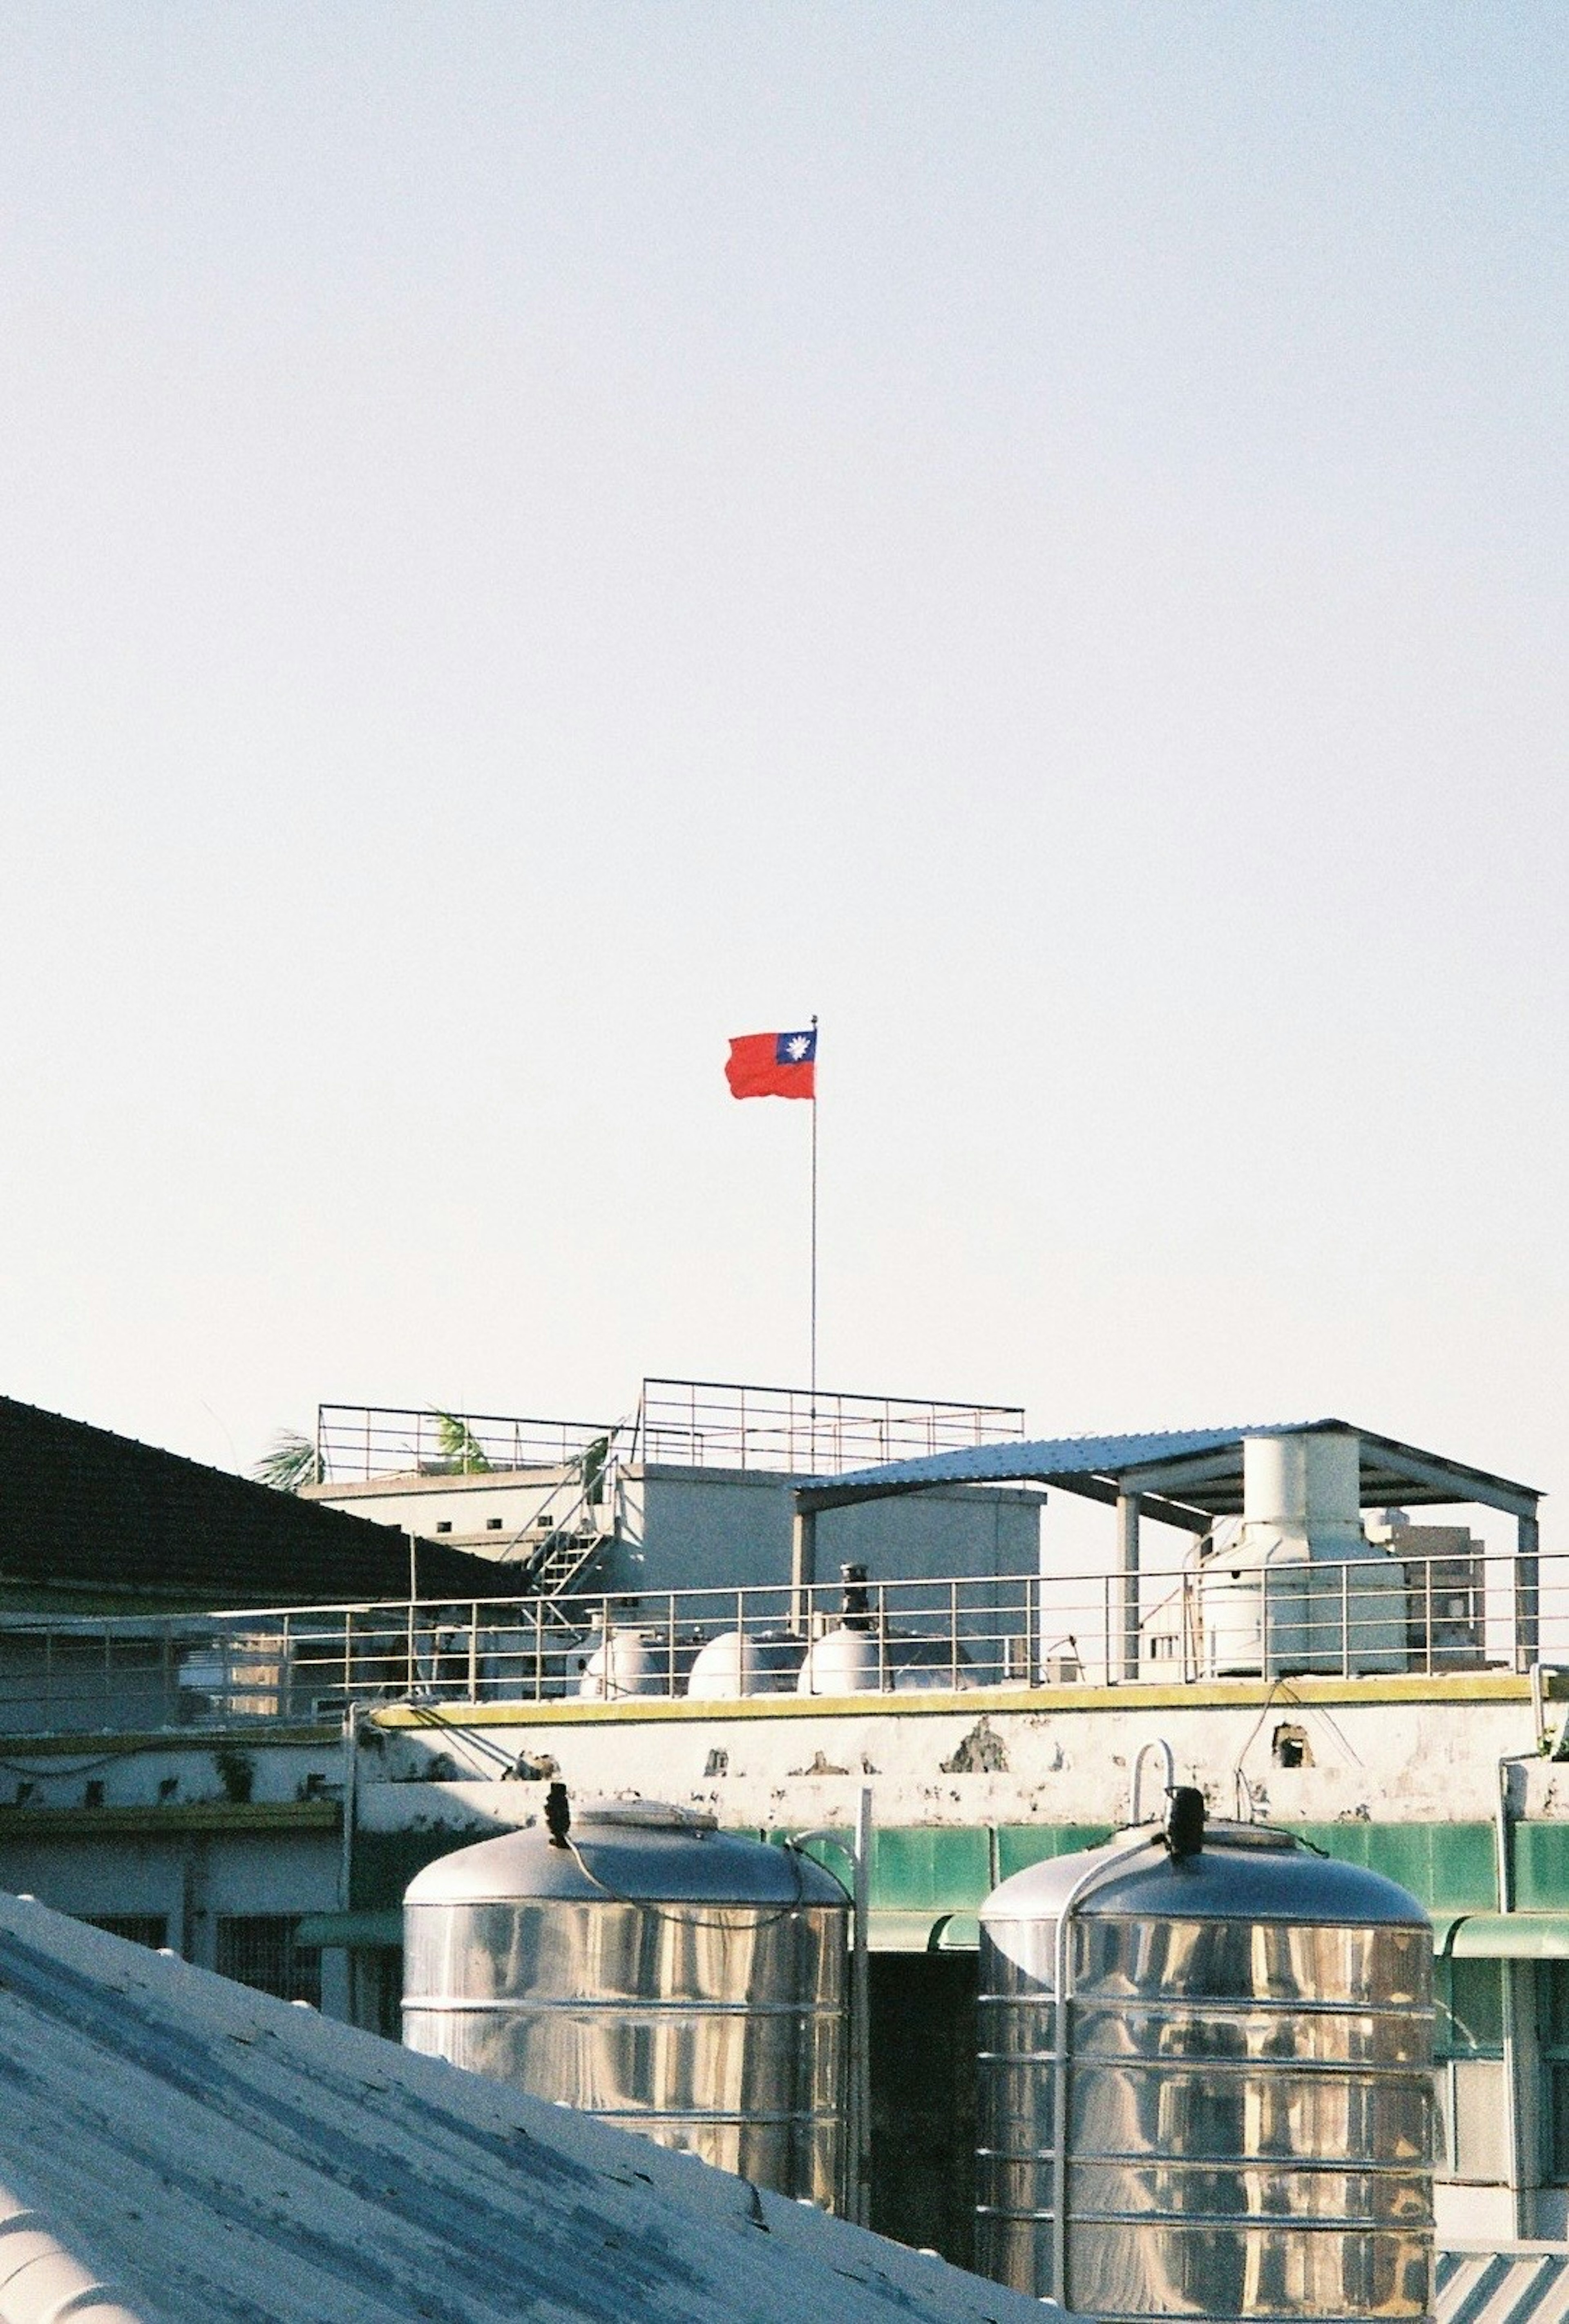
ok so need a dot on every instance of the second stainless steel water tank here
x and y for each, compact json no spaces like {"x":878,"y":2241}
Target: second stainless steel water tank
{"x":655,"y":1971}
{"x":1231,"y":2117}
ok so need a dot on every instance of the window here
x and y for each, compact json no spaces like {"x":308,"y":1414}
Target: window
{"x":259,"y":1949}
{"x":137,"y":1928}
{"x":1553,"y":2036}
{"x":1467,"y":2044}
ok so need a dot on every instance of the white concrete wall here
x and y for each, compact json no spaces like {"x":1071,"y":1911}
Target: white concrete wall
{"x":1416,"y":1762}
{"x":709,"y":1529}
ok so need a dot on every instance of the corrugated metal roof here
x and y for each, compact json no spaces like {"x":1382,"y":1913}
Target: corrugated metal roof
{"x":1058,"y":1456}
{"x":217,"y":2157}
{"x":1522,"y":2286}
{"x":110,"y":1518}
{"x":1198,"y":1469}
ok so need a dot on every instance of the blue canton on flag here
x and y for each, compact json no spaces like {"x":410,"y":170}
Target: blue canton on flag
{"x":795,"y":1048}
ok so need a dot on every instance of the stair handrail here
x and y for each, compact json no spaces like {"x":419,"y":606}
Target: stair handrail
{"x":591,"y":1469}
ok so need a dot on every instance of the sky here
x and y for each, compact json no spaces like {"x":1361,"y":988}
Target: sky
{"x":535,"y":539}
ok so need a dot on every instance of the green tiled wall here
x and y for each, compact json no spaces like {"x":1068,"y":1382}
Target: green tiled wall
{"x":1541,"y":1868}
{"x":1449,"y":1867}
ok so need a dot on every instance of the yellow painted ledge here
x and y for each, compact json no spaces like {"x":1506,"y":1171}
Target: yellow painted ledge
{"x":176,"y":1816}
{"x":1000,"y":1702}
{"x":94,"y":1748}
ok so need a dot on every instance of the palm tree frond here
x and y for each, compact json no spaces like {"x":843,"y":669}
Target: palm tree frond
{"x":289,"y":1463}
{"x":459,"y":1442}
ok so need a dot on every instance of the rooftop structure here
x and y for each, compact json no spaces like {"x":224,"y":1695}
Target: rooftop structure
{"x":691,"y":1491}
{"x":1320,"y":1656}
{"x":681,"y":1423}
{"x":1185,"y":1477}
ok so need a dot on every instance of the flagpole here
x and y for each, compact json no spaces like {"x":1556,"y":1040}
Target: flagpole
{"x":814,"y":1333}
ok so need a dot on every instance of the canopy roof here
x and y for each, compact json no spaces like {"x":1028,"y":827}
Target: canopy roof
{"x":1185,"y":1476}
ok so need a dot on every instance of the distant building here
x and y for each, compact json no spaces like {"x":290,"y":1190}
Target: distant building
{"x":695,"y":1492}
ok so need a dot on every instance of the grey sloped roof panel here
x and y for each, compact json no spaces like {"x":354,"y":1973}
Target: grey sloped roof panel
{"x":1059,"y":1456}
{"x":212,"y":2156}
{"x":1200,"y":1468}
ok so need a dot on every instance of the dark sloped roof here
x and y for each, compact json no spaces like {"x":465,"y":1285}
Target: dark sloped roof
{"x":84,"y":1509}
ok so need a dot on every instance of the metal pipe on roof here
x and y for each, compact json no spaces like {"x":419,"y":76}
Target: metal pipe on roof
{"x":40,"y":2282}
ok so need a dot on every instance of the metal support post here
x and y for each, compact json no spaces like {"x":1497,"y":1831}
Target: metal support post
{"x":803,"y":1568}
{"x":1528,"y":1591}
{"x":861,"y":2023}
{"x":1128,"y":1510}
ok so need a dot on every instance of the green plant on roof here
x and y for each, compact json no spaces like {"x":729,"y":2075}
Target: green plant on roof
{"x":458,"y":1443}
{"x":290,"y":1463}
{"x":595,"y":1456}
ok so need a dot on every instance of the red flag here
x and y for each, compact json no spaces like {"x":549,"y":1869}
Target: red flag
{"x":773,"y":1064}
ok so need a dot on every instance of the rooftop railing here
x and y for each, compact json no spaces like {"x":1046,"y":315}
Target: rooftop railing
{"x":1363,"y":1619}
{"x":683,"y":1424}
{"x":356,"y":1443}
{"x":800,"y":1432}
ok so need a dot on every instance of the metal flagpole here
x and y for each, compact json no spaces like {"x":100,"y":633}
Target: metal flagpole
{"x":813,"y":1375}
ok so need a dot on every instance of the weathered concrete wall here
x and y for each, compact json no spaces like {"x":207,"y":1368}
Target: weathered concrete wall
{"x":1312,"y":1751}
{"x":1005,"y":1758}
{"x":188,"y":1879}
{"x":683,"y":1528}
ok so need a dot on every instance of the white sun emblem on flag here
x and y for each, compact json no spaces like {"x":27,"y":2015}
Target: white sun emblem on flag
{"x":796,"y":1048}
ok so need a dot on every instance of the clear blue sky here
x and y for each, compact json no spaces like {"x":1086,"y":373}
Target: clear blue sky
{"x":536,"y":538}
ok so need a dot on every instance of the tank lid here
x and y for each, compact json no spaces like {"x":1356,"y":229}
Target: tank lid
{"x":646,"y":1815}
{"x":1243,"y":1872}
{"x":634,"y":1851}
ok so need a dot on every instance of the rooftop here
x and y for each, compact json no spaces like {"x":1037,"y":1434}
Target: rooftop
{"x":182,"y":2150}
{"x":676,"y":1422}
{"x":1186,"y":1476}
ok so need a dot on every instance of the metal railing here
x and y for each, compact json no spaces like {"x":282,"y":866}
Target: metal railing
{"x":356,"y":1443}
{"x":683,"y":1423}
{"x":73,"y":1675}
{"x":797,"y":1432}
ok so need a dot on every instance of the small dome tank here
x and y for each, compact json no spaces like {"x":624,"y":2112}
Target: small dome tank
{"x":644,"y":1966}
{"x":622,"y":1664}
{"x":745,"y":1662}
{"x":1232,"y":2115}
{"x":850,"y":1661}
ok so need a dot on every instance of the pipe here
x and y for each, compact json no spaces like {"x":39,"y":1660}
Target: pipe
{"x":860,"y":2020}
{"x":43,"y":2282}
{"x":1157,"y":1744}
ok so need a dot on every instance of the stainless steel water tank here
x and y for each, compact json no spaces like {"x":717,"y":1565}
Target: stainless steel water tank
{"x":668,"y":1977}
{"x":1240,"y":2089}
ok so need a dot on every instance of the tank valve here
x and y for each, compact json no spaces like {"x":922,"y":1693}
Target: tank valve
{"x":855,"y":1604}
{"x":558,"y":1814}
{"x":1184,"y":1820}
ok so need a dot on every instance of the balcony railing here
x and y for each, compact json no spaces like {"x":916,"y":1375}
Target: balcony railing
{"x":71,"y":1675}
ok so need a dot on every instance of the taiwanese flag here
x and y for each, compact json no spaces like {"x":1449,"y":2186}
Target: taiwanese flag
{"x":773,"y":1064}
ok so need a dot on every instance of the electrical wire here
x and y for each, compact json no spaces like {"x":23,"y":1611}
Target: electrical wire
{"x":691,"y":1921}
